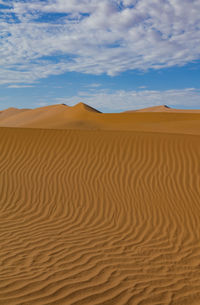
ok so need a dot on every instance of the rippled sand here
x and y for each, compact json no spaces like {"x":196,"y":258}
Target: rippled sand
{"x":99,"y":217}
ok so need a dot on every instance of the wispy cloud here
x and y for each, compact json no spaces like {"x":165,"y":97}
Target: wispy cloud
{"x":19,"y":86}
{"x":128,"y":100}
{"x":42,"y":38}
{"x":94,"y":85}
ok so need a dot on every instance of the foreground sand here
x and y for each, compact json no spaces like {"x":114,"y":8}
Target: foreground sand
{"x":99,"y":217}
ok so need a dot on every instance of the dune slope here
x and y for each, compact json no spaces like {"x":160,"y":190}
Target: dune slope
{"x":95,"y":217}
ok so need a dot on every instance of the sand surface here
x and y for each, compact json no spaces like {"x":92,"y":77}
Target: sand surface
{"x":99,"y":216}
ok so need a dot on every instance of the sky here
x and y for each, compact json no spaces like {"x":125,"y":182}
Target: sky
{"x":113,"y":55}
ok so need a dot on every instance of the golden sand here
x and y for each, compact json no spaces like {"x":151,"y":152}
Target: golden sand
{"x":100,"y":215}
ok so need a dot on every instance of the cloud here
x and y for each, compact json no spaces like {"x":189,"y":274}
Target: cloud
{"x":128,"y":100}
{"x":94,"y":85}
{"x":20,"y":86}
{"x":142,"y":87}
{"x":42,"y":38}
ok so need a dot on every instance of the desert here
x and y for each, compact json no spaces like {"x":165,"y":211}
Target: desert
{"x":99,"y":152}
{"x":99,"y":208}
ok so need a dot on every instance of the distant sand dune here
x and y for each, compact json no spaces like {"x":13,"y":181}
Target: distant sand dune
{"x":165,"y":108}
{"x":82,"y":116}
{"x":99,"y":217}
{"x":7,"y":113}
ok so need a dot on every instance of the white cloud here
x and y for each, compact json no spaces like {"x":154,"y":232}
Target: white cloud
{"x":95,"y":37}
{"x":128,"y":100}
{"x":93,"y":85}
{"x":20,"y":86}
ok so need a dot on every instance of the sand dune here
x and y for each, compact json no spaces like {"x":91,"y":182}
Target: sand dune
{"x":55,"y":116}
{"x":82,"y":116}
{"x":165,"y":108}
{"x":7,"y":113}
{"x":99,"y":217}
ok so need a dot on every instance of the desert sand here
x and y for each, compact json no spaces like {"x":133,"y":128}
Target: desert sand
{"x":82,"y":116}
{"x":99,"y":208}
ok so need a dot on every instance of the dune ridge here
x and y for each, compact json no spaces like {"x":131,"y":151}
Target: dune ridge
{"x":99,"y":217}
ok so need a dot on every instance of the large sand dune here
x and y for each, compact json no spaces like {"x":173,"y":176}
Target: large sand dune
{"x":99,"y":217}
{"x":82,"y":116}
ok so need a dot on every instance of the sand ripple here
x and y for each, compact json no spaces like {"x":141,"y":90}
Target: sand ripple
{"x":94,"y":217}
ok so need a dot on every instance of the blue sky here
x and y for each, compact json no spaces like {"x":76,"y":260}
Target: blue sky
{"x":114,"y":55}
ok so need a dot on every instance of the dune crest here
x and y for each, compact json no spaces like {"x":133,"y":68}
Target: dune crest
{"x":82,"y":106}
